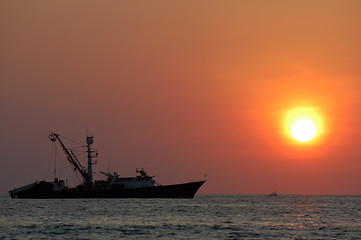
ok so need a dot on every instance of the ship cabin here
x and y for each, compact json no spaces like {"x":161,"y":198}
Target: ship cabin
{"x":143,"y":180}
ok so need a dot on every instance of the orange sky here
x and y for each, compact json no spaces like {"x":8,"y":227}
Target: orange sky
{"x":185,"y":88}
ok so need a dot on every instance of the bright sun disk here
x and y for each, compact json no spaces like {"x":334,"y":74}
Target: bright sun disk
{"x":303,"y":130}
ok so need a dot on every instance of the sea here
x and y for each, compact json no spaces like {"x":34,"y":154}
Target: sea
{"x":204,"y":217}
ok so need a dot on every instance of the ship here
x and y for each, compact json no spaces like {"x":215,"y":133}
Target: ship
{"x":140,"y":186}
{"x":273,"y":194}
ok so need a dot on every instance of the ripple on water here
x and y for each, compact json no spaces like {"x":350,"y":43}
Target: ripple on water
{"x":205,"y":217}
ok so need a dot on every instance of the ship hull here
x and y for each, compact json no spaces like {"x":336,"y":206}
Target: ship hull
{"x":184,"y":190}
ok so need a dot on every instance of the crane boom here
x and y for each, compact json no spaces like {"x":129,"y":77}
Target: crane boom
{"x":72,"y":158}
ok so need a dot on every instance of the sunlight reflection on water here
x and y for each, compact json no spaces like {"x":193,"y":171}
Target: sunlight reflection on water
{"x":205,"y":217}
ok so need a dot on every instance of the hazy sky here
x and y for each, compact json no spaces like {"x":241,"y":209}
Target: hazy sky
{"x":185,"y":88}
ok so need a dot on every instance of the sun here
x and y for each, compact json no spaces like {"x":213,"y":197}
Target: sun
{"x":303,"y":124}
{"x":303,"y":130}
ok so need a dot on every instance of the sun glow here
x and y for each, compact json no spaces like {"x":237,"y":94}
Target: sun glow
{"x":303,"y":130}
{"x":303,"y":124}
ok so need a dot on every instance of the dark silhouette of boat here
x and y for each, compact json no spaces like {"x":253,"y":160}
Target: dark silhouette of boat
{"x":140,"y":186}
{"x":273,"y":194}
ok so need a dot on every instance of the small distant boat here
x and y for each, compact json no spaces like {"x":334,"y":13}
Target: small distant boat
{"x":273,"y":194}
{"x":141,"y":186}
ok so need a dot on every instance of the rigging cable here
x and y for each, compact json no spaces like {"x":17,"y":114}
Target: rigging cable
{"x":76,"y":178}
{"x":51,"y":155}
{"x":56,"y":153}
{"x":70,"y":140}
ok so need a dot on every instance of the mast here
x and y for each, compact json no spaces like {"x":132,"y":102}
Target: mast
{"x":88,"y":178}
{"x":89,"y":141}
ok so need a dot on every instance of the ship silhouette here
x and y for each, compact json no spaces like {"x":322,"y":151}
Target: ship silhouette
{"x":140,"y":186}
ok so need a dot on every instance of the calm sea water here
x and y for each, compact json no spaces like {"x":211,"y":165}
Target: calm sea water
{"x":204,"y":217}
